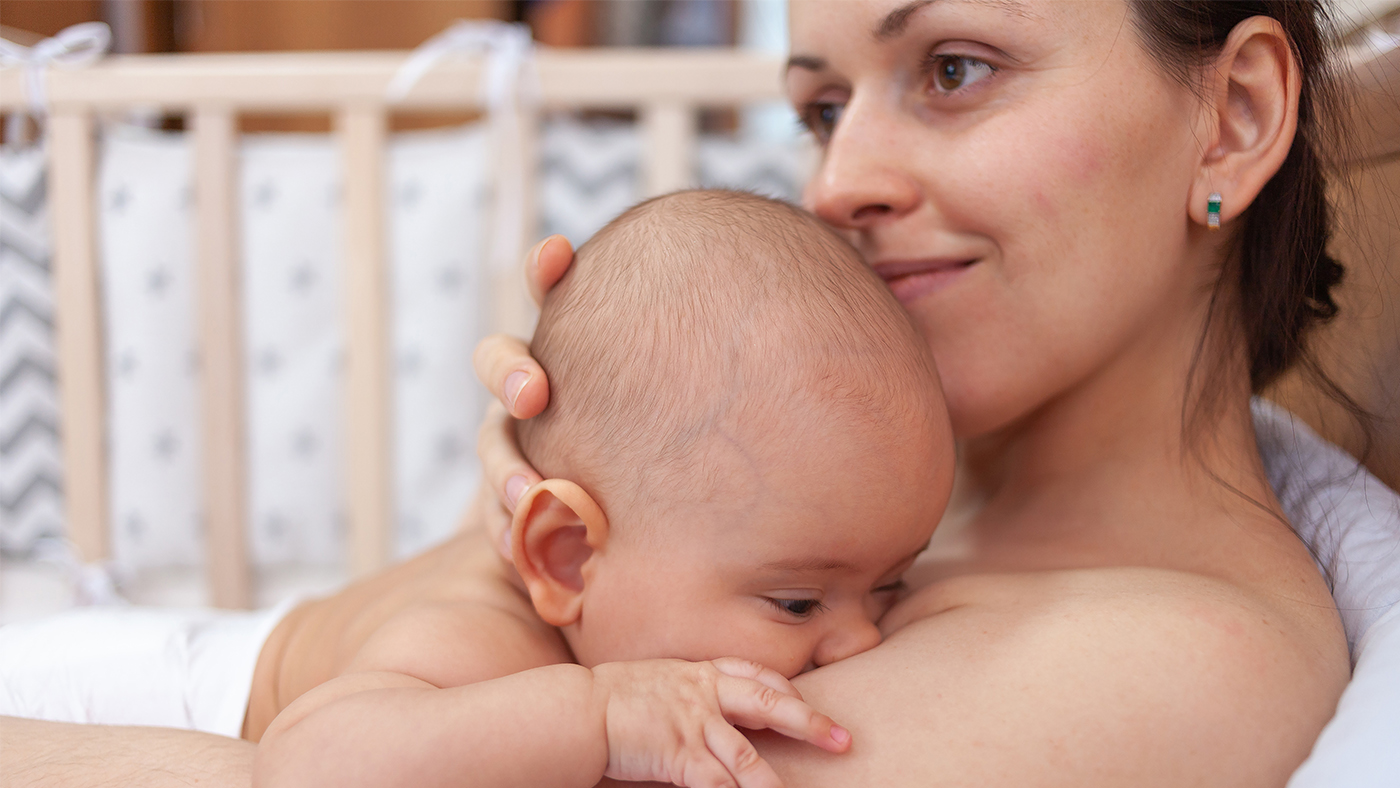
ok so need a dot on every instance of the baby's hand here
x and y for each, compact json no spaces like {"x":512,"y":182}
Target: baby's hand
{"x":673,"y":721}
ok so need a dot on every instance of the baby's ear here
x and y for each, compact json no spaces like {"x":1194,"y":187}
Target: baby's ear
{"x":557,"y":529}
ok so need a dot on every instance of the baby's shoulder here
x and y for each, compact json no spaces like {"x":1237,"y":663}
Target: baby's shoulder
{"x":454,"y":642}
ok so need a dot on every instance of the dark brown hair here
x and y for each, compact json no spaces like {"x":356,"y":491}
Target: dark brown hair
{"x":1278,"y":276}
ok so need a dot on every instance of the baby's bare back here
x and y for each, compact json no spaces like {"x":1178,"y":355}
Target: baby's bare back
{"x":456,"y":600}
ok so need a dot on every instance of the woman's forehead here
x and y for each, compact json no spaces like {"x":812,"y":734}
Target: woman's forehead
{"x":884,"y":20}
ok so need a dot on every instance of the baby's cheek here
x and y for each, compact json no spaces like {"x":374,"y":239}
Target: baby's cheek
{"x":745,"y":631}
{"x":788,"y":649}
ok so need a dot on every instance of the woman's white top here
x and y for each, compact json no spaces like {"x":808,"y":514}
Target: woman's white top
{"x":1351,"y":521}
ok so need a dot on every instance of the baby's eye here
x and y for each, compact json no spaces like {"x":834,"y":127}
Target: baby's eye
{"x":952,"y":73}
{"x":821,"y":117}
{"x":801,"y":608}
{"x":891,"y":588}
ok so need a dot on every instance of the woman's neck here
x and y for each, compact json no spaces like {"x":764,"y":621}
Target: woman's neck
{"x":1105,"y":475}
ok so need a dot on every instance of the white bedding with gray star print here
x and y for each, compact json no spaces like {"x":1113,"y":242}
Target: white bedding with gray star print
{"x":290,"y":207}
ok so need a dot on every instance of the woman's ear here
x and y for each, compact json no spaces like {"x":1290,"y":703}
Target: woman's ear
{"x":1252,"y":117}
{"x":557,"y":532}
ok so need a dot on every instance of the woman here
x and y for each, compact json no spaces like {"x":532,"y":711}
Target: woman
{"x":1038,"y":181}
{"x":1124,"y":603}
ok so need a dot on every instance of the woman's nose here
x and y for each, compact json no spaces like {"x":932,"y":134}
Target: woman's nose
{"x":863,"y":178}
{"x":848,"y":639}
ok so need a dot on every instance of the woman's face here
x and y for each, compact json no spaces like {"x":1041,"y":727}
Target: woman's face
{"x":1018,"y":171}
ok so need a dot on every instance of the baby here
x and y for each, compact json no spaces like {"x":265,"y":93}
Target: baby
{"x":745,"y":449}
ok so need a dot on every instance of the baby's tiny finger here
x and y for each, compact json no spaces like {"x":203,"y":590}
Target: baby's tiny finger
{"x":748,"y":669}
{"x":753,"y":705}
{"x":705,"y":771}
{"x":738,"y":755}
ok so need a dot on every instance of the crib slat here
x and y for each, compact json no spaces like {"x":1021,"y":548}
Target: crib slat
{"x":368,"y":371}
{"x":78,"y":333}
{"x":221,"y":357}
{"x":668,"y":128}
{"x":515,"y":156}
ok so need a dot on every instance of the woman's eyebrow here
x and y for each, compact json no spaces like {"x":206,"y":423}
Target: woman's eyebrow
{"x":896,"y":21}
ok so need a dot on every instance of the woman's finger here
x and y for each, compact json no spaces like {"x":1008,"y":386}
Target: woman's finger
{"x":546,"y":264}
{"x":739,"y":757}
{"x":502,"y":465}
{"x":492,"y":515}
{"x":503,"y":363}
{"x":748,"y":669}
{"x":753,"y":705}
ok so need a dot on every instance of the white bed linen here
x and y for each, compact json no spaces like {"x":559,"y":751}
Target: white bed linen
{"x":1352,"y":523}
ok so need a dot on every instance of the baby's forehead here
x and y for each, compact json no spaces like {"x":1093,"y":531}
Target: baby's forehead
{"x":823,"y":469}
{"x":773,"y":425}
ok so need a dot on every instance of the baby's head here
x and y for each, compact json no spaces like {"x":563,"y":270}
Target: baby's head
{"x":745,"y":446}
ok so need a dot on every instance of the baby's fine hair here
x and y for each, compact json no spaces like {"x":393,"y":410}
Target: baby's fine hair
{"x":707,"y":308}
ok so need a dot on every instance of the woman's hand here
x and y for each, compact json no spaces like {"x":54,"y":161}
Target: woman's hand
{"x":504,"y":364}
{"x":673,"y":721}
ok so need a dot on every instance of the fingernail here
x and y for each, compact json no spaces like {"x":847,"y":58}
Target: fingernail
{"x":534,"y":261}
{"x":840,"y":735}
{"x":515,"y":383}
{"x":515,"y":487}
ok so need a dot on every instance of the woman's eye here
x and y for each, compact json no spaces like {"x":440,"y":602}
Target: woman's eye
{"x":802,"y":608}
{"x":954,"y":72}
{"x":821,"y":117}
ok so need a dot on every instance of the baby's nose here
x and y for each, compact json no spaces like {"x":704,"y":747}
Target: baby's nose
{"x":848,"y":639}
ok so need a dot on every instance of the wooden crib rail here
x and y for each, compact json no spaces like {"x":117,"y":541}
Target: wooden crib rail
{"x":666,"y":87}
{"x":308,"y":81}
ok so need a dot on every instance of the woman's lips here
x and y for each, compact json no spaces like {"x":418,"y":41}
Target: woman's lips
{"x":911,"y":280}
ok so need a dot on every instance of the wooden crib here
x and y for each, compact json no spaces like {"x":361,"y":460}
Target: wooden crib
{"x":665,"y":87}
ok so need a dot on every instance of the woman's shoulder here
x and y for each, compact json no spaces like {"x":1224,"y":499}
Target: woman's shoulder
{"x":1203,"y":626}
{"x":1147,"y":591}
{"x":1110,"y":675}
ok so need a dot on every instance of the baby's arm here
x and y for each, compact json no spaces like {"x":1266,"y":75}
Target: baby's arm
{"x":421,"y":685}
{"x":390,"y":729}
{"x":401,"y":717}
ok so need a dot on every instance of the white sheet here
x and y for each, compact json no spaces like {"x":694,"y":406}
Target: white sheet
{"x":1352,"y":523}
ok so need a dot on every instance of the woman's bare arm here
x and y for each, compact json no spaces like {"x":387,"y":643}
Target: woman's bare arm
{"x":39,"y":754}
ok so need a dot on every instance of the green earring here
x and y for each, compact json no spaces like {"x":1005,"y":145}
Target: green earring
{"x":1213,"y":211}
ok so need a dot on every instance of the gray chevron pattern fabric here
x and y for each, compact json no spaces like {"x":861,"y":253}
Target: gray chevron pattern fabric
{"x":590,"y":172}
{"x":438,"y":202}
{"x":30,"y":465}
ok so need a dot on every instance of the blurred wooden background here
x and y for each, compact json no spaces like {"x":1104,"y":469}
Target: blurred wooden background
{"x":141,"y":26}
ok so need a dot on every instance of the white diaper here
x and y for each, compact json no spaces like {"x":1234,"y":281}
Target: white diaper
{"x":188,"y":669}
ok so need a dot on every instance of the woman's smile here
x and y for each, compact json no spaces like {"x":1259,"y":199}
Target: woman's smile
{"x":911,"y":280}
